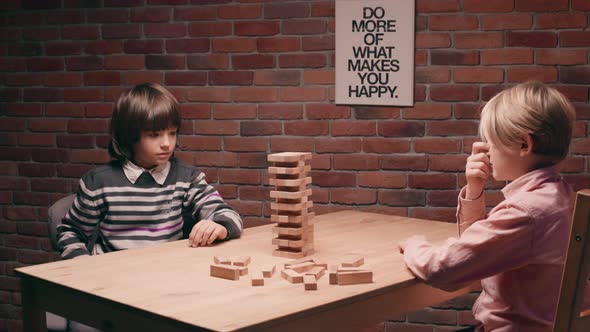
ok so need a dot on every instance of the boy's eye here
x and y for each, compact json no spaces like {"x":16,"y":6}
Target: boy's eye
{"x":154,"y":134}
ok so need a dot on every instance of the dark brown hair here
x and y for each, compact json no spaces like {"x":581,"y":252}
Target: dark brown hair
{"x":145,"y":107}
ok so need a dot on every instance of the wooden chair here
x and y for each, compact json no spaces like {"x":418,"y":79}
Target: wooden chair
{"x":575,"y":275}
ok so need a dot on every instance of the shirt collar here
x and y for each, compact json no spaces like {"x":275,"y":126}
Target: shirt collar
{"x":532,"y":180}
{"x":158,"y":173}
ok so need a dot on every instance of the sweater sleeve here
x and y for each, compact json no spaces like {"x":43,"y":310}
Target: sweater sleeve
{"x":501,"y":242}
{"x":78,"y":224}
{"x":206,"y":203}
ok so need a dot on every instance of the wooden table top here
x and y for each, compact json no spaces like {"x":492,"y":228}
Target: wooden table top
{"x":172,"y":279}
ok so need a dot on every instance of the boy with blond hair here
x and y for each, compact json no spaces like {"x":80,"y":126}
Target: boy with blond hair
{"x":518,"y":249}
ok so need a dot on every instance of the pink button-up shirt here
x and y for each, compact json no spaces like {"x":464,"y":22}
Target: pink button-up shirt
{"x":517,"y":250}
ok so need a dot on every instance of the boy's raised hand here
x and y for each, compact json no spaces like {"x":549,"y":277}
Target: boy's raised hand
{"x":477,"y":170}
{"x":205,"y":232}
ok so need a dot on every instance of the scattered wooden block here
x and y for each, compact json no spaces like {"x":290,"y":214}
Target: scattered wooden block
{"x":309,"y":282}
{"x":268,"y":271}
{"x":301,"y":267}
{"x":221,"y":260}
{"x":317,"y":272}
{"x":241,"y":261}
{"x":225,"y":271}
{"x":333,"y":275}
{"x":353,"y":261}
{"x":354,"y":277}
{"x":256,"y":278}
{"x":292,"y":276}
{"x":243,"y":270}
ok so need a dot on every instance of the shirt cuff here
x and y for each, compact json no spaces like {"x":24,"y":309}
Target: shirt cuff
{"x":470,"y":210}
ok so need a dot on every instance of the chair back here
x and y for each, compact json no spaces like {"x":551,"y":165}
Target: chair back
{"x":55,"y":214}
{"x":569,"y":317}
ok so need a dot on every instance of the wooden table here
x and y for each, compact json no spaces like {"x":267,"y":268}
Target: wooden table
{"x":167,"y":287}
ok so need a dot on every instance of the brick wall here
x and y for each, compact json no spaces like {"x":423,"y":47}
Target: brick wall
{"x":256,"y":77}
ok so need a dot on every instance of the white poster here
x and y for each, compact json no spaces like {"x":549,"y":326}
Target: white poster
{"x":375,"y":52}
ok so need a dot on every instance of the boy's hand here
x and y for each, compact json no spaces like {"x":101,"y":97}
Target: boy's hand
{"x":205,"y":232}
{"x":402,"y":245}
{"x":477,"y":170}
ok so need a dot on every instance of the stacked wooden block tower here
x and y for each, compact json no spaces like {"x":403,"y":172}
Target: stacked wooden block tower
{"x":291,"y":206}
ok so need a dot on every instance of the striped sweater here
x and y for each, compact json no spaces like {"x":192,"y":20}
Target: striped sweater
{"x":117,"y":214}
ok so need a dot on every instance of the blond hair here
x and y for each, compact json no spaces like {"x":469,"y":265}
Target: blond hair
{"x":533,"y":109}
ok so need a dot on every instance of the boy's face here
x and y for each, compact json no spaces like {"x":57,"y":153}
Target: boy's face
{"x":154,"y":148}
{"x":506,"y":163}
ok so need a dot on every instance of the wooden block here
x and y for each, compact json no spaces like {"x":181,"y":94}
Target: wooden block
{"x":292,"y":276}
{"x":321,"y":264}
{"x":289,"y":156}
{"x":268,"y":271}
{"x":225,"y":271}
{"x":351,"y":269}
{"x":353,"y":261}
{"x":289,"y":207}
{"x":290,"y":195}
{"x":280,"y":242}
{"x":221,"y":260}
{"x":289,"y":183}
{"x":301,"y":267}
{"x":241,"y":261}
{"x":289,"y":170}
{"x":332,"y":274}
{"x":304,"y":219}
{"x":309,"y":282}
{"x":299,"y":261}
{"x":243,"y":270}
{"x":289,"y":254}
{"x":317,"y":272}
{"x":354,"y":278}
{"x":297,"y":243}
{"x":291,"y":231}
{"x":256,"y":278}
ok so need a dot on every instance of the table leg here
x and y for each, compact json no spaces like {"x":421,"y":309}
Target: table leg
{"x":33,"y":315}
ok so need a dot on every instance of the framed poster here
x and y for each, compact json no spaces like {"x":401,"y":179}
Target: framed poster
{"x":375,"y":52}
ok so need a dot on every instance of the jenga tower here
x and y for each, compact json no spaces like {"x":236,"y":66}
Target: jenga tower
{"x":291,"y":204}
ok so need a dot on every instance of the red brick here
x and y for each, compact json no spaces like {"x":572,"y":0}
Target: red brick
{"x":286,"y":10}
{"x":10,"y":94}
{"x":102,"y":78}
{"x":192,"y":143}
{"x":63,"y":79}
{"x":455,"y":128}
{"x":84,"y":63}
{"x":45,"y":64}
{"x":63,"y":48}
{"x":278,"y":143}
{"x":88,"y":126}
{"x":432,"y":181}
{"x":33,"y":170}
{"x":214,"y":61}
{"x":303,"y":94}
{"x":488,"y":91}
{"x":216,"y":159}
{"x":79,"y":32}
{"x":318,"y":43}
{"x":303,"y":27}
{"x":574,"y":38}
{"x":574,"y":75}
{"x":121,"y":31}
{"x":9,"y":64}
{"x":479,"y":40}
{"x":385,"y":145}
{"x":83,"y":94}
{"x":405,"y":161}
{"x":206,"y":127}
{"x":75,"y":141}
{"x":541,"y":5}
{"x":209,"y":94}
{"x":354,"y":128}
{"x":186,"y":78}
{"x":143,"y":46}
{"x":239,"y":11}
{"x":323,"y":9}
{"x":454,"y":93}
{"x":125,"y":62}
{"x":437,"y":145}
{"x":138,"y":77}
{"x":150,"y":14}
{"x":23,"y":79}
{"x":467,"y":111}
{"x":90,"y":156}
{"x":402,"y":197}
{"x":164,"y":62}
{"x":22,"y":110}
{"x":454,"y":57}
{"x":302,"y":61}
{"x":320,"y":76}
{"x":164,"y":30}
{"x":47,"y":125}
{"x":42,"y":94}
{"x":98,"y":110}
{"x":12,"y":124}
{"x":256,"y":28}
{"x":307,"y":128}
{"x":195,"y":13}
{"x":107,"y":15}
{"x":436,"y":6}
{"x":447,"y":163}
{"x":381,"y":179}
{"x":561,"y":21}
{"x":277,"y":77}
{"x":538,"y":73}
{"x":104,"y":47}
{"x":507,"y":22}
{"x":483,"y":6}
{"x":422,"y":111}
{"x":559,"y":56}
{"x":478,"y":75}
{"x":253,"y":61}
{"x":245,"y":144}
{"x":195,"y":111}
{"x":209,"y":29}
{"x":432,"y":40}
{"x":532,"y":39}
{"x":50,"y":155}
{"x":280,"y":112}
{"x":506,"y":56}
{"x":237,"y":45}
{"x":234,"y":111}
{"x":353,"y":197}
{"x":260,"y":128}
{"x":337,"y":145}
{"x":40,"y":34}
{"x":64,"y":110}
{"x":253,"y":94}
{"x":278,"y":44}
{"x":326,"y":111}
{"x":401,"y":129}
{"x":582,"y":5}
{"x":333,"y":178}
{"x":453,"y":22}
{"x":432,"y":74}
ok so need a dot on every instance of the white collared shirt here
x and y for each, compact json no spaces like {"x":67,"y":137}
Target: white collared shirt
{"x":158,"y":173}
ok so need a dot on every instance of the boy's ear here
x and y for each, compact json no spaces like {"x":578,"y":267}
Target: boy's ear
{"x":527,"y":145}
